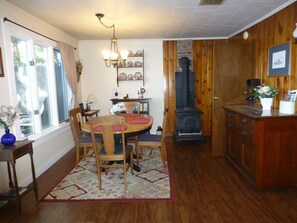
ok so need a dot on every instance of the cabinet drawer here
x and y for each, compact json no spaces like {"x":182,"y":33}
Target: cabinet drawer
{"x":245,"y":122}
{"x":246,"y":127}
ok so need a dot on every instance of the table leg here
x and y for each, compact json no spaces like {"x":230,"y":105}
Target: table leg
{"x":16,"y":186}
{"x":34,"y":177}
{"x":135,"y":167}
{"x":9,"y":175}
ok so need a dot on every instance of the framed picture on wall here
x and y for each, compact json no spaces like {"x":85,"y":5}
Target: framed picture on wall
{"x":1,"y":65}
{"x":279,"y":57}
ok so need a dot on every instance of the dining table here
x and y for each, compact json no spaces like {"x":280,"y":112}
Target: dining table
{"x":135,"y":124}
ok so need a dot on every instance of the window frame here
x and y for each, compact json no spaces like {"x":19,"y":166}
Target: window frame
{"x":13,"y":30}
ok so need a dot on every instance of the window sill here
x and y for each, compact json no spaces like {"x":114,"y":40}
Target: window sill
{"x":49,"y":134}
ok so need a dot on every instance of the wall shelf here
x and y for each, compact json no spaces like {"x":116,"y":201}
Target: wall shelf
{"x":133,"y":68}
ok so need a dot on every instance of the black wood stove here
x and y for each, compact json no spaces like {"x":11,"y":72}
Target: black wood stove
{"x":188,"y":123}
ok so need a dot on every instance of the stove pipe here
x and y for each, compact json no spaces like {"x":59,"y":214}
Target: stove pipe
{"x":184,"y":63}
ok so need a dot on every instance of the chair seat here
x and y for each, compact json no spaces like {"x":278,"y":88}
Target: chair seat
{"x":88,"y":139}
{"x":118,"y":149}
{"x":149,"y":138}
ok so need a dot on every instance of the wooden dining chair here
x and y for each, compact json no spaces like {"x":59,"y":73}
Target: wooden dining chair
{"x":132,"y":107}
{"x":81,"y":141}
{"x":112,"y":129}
{"x":153,"y":141}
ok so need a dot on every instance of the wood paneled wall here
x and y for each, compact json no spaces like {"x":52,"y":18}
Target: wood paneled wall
{"x":203,"y":67}
{"x":274,"y":30}
{"x":169,"y":68}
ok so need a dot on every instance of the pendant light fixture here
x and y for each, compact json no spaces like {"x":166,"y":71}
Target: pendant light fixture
{"x":112,"y":56}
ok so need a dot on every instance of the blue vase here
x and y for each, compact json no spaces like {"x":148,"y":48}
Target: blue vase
{"x":8,"y":138}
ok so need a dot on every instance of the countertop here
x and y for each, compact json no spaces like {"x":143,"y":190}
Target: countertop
{"x":255,"y":111}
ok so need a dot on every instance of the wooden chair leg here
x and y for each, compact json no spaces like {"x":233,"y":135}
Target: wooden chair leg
{"x":125,"y":175}
{"x":85,"y":153}
{"x":131,"y":163}
{"x":77,"y":156}
{"x":99,"y":176}
{"x":163,"y":155}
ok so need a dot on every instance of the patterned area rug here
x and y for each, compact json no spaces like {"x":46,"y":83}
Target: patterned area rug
{"x":152,"y":182}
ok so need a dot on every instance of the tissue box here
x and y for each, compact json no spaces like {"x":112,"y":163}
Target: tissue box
{"x":287,"y":107}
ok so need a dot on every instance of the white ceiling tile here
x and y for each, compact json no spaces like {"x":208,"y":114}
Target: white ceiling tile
{"x":150,"y":18}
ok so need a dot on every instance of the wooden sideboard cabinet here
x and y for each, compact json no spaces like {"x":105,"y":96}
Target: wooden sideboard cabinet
{"x":262,"y":147}
{"x":144,"y":103}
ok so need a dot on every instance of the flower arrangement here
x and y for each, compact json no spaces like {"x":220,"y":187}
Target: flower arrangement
{"x":264,"y":92}
{"x":8,"y":114}
{"x":117,"y":108}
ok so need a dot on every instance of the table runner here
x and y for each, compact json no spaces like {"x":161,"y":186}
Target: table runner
{"x":115,"y":128}
{"x":140,"y":121}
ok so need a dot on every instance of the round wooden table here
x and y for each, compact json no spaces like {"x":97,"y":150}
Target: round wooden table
{"x":136,"y":124}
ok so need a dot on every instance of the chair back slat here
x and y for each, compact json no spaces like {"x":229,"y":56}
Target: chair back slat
{"x":164,"y":126}
{"x":106,"y":129}
{"x":75,"y":120}
{"x":108,"y":135}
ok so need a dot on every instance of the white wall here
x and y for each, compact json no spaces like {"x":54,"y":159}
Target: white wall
{"x":48,"y":149}
{"x":98,"y":79}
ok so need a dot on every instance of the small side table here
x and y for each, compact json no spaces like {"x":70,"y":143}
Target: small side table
{"x":10,"y":154}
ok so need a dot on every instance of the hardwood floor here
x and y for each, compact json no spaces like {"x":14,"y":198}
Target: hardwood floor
{"x":205,"y":189}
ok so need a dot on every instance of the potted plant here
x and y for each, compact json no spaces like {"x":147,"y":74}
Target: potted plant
{"x":117,"y":108}
{"x":266,"y":94}
{"x":8,"y":114}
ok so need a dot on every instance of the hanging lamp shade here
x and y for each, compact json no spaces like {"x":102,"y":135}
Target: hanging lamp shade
{"x":112,"y":56}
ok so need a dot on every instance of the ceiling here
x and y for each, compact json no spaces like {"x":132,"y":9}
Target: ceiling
{"x":145,"y":19}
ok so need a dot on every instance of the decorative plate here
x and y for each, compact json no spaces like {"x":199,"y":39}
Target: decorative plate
{"x":130,"y":53}
{"x":122,"y":76}
{"x":130,"y":77}
{"x":138,"y":53}
{"x":130,"y":64}
{"x":138,"y":76}
{"x":142,"y":90}
{"x":137,"y":64}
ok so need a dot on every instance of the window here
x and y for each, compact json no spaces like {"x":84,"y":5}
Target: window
{"x":42,"y":90}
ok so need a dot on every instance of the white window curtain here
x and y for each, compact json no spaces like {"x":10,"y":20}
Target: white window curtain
{"x":67,"y":53}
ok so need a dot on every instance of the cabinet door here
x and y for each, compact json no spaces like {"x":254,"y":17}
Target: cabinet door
{"x":232,"y":138}
{"x":277,"y":151}
{"x":248,"y":159}
{"x":247,"y":153}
